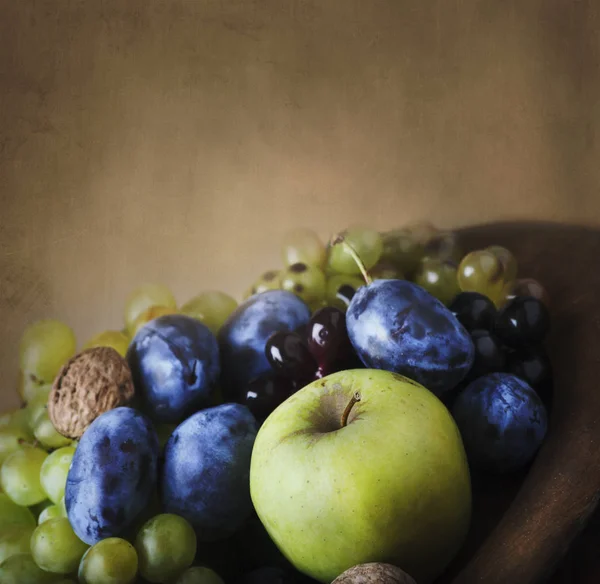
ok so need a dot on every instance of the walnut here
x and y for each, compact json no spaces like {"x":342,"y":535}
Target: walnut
{"x":89,"y":384}
{"x":374,"y":573}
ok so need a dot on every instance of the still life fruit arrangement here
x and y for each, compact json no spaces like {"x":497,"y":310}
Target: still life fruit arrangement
{"x":325,"y":429}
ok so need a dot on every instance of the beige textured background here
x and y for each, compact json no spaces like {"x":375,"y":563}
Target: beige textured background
{"x":177,"y":141}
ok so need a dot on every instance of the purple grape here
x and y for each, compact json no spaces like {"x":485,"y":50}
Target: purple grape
{"x":288,"y":355}
{"x":263,"y":394}
{"x":328,"y":340}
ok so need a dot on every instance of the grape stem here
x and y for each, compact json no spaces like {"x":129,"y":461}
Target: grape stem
{"x":355,"y":399}
{"x":340,"y":239}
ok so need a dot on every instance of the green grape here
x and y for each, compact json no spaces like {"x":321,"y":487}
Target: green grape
{"x":438,"y":277}
{"x":422,"y":231}
{"x":508,"y":260}
{"x":22,"y":569}
{"x":481,"y":271}
{"x":444,"y":246}
{"x":39,"y":507}
{"x":341,"y":289}
{"x":110,"y":561}
{"x":11,"y":439}
{"x":20,"y":476}
{"x":303,"y":246}
{"x":117,"y":340}
{"x":63,"y":507}
{"x":164,"y":432}
{"x":212,"y":308}
{"x":37,"y":406}
{"x":166,"y":545}
{"x":50,"y":512}
{"x":366,"y":243}
{"x":402,"y":250}
{"x":269,"y":280}
{"x":199,"y":575}
{"x":45,"y":346}
{"x":385,"y":271}
{"x":143,"y":298}
{"x":306,"y":282}
{"x":16,"y":419}
{"x":47,"y":435}
{"x":55,"y":547}
{"x":55,"y":469}
{"x":13,"y":514}
{"x":14,"y":539}
{"x":526,"y":287}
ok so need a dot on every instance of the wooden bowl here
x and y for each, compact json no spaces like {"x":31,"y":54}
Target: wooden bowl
{"x":523,"y":525}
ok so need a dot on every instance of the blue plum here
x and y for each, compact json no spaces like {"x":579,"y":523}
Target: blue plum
{"x":112,"y":475}
{"x":174,"y":360}
{"x":243,"y":337}
{"x":397,"y":326}
{"x":205,"y":475}
{"x":502,"y":422}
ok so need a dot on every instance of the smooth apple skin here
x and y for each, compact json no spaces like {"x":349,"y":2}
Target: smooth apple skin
{"x":391,"y":486}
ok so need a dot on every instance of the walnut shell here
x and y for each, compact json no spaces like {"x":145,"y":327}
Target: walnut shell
{"x":89,"y":384}
{"x":374,"y":573}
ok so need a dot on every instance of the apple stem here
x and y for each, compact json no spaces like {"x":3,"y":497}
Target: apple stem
{"x":340,"y":239}
{"x":355,"y":399}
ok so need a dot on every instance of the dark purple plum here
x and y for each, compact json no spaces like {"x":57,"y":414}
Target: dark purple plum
{"x":397,"y":326}
{"x":206,"y":472}
{"x":112,"y":476}
{"x":502,"y":421}
{"x":174,"y":360}
{"x":243,"y":337}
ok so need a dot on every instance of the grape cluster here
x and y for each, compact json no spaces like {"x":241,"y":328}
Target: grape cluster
{"x":311,"y":352}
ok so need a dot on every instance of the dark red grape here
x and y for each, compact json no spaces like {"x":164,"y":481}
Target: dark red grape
{"x":533,"y":366}
{"x":328,"y":340}
{"x":288,"y":354}
{"x":263,"y":394}
{"x":522,"y":322}
{"x":490,"y":354}
{"x":473,"y":310}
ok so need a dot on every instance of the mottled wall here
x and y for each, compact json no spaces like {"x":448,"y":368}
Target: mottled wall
{"x":176,"y":141}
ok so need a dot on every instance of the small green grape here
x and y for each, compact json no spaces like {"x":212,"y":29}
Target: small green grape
{"x":269,"y":280}
{"x":481,"y":271}
{"x":303,"y":246}
{"x":212,"y":308}
{"x":117,"y":340}
{"x":384,"y":271}
{"x":143,"y":298}
{"x":37,"y":406}
{"x":50,"y":512}
{"x":14,"y":539}
{"x":444,"y":246}
{"x":13,"y":514}
{"x":402,"y":250}
{"x":22,"y":569}
{"x":199,"y":575}
{"x":508,"y":261}
{"x":39,"y":507}
{"x":63,"y":507}
{"x":366,"y":243}
{"x":526,"y":287}
{"x":11,"y":439}
{"x":53,"y":475}
{"x":439,"y":278}
{"x":55,"y":547}
{"x":164,"y":432}
{"x":166,"y":545}
{"x":45,"y":346}
{"x":110,"y":561}
{"x":422,"y":231}
{"x":306,"y":282}
{"x":16,"y":419}
{"x":20,"y":476}
{"x":46,"y":434}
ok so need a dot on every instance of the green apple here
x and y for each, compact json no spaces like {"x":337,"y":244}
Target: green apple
{"x":362,"y":466}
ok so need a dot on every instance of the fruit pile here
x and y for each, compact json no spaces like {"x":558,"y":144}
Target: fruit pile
{"x":328,"y":422}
